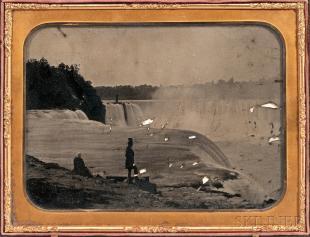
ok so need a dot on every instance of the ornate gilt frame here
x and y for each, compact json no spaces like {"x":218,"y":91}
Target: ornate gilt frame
{"x":9,"y":220}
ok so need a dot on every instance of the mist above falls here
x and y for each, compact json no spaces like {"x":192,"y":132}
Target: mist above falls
{"x":219,"y":111}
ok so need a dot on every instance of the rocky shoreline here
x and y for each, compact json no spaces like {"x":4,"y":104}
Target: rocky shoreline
{"x":51,"y":186}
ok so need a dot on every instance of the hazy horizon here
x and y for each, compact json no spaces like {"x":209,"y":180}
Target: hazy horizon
{"x":161,"y":55}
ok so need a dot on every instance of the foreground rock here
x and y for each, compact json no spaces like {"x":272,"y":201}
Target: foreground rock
{"x":51,"y":186}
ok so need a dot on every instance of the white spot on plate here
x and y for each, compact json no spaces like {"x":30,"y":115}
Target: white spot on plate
{"x":142,"y":171}
{"x":192,"y":137}
{"x":147,"y":122}
{"x":270,"y":105}
{"x":252,"y":109}
{"x":195,"y":163}
{"x":205,"y":180}
{"x":273,"y":139}
{"x":170,"y":165}
{"x":181,"y":167}
{"x":166,"y":139}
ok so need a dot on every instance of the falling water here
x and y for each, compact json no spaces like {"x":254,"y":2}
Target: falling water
{"x":218,"y":119}
{"x":57,"y":114}
{"x":134,"y":114}
{"x":115,"y":114}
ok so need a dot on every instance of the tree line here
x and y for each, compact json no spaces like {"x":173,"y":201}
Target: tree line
{"x":126,"y":92}
{"x":61,"y":87}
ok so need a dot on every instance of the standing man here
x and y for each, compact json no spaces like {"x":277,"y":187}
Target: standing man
{"x":130,"y":160}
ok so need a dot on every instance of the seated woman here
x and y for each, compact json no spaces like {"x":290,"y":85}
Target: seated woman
{"x":80,"y":167}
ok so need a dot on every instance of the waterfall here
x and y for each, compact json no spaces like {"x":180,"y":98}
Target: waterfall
{"x":217,"y":118}
{"x":134,"y":114}
{"x":123,"y":114}
{"x":57,"y":114}
{"x":81,"y":115}
{"x":115,"y":114}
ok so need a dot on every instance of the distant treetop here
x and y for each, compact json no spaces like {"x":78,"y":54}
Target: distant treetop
{"x":61,"y":87}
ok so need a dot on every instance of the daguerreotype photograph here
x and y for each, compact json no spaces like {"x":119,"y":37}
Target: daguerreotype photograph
{"x":154,"y":117}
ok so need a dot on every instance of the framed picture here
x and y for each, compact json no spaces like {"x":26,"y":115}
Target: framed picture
{"x":150,"y":118}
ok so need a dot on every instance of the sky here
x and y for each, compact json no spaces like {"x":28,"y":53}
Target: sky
{"x":161,"y":54}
